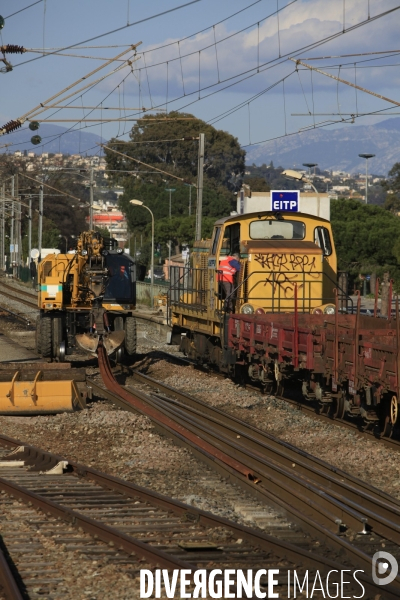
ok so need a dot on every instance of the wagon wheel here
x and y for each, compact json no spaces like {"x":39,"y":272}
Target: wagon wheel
{"x":268,"y":388}
{"x":279,"y":388}
{"x":324,"y":408}
{"x":338,"y":404}
{"x":278,"y":384}
{"x":390,"y":413}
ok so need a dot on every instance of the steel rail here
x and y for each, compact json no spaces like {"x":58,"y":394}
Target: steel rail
{"x":327,"y":498}
{"x":7,"y":580}
{"x":95,"y":528}
{"x":305,"y":407}
{"x":136,"y":403}
{"x":43,"y":460}
{"x":16,"y":315}
{"x":256,"y":439}
{"x":11,"y":288}
{"x":366,"y":434}
{"x":15,"y":299}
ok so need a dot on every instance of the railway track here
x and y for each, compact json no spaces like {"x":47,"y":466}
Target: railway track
{"x":15,"y":294}
{"x":342,"y":512}
{"x":77,"y":508}
{"x":307,"y":407}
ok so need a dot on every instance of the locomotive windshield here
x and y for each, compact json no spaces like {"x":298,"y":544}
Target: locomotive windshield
{"x":277,"y":230}
{"x":119,"y":286}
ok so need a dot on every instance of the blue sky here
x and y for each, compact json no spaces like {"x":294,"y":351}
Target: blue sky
{"x":249,"y":61}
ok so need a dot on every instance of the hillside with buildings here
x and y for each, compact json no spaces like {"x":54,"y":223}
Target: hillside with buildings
{"x":334,"y":149}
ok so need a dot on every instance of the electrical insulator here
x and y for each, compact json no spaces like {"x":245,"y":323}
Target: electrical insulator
{"x":1,"y":22}
{"x":35,"y":140}
{"x":12,"y":49}
{"x":11,"y":126}
{"x":34,"y":125}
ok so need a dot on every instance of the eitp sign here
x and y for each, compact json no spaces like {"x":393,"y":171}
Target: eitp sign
{"x":283,"y":200}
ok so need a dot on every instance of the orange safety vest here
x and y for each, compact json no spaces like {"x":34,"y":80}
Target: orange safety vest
{"x":226,"y":272}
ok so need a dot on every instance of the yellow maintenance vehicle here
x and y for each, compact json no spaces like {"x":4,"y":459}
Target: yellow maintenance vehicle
{"x":84,"y":295}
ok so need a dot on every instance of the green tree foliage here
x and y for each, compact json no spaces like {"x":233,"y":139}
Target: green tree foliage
{"x":367,"y":238}
{"x":181,"y":230}
{"x":223,"y":171}
{"x":265,"y":178}
{"x":257,"y":184}
{"x":50,"y":238}
{"x":223,"y":160}
{"x":392,"y":203}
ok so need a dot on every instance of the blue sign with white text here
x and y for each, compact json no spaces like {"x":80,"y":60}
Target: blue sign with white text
{"x":284,"y":200}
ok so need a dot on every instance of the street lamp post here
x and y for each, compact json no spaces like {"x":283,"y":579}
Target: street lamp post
{"x":170,"y":190}
{"x":140,"y":203}
{"x":366,"y":156}
{"x":310,"y":166}
{"x":300,"y":177}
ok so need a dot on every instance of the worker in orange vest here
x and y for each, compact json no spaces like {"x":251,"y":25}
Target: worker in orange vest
{"x":228,"y":267}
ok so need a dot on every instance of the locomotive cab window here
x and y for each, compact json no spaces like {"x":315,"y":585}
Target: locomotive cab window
{"x":277,"y":230}
{"x":231,"y":241}
{"x":323,"y":240}
{"x":217,"y":234}
{"x":120,"y":276}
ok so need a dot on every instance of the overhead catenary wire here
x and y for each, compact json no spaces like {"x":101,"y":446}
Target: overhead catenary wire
{"x":146,"y":165}
{"x":144,"y":20}
{"x":339,"y":79}
{"x":38,"y":109}
{"x":50,"y":187}
{"x":22,"y":9}
{"x":313,"y":45}
{"x":220,"y":41}
{"x":267,"y":65}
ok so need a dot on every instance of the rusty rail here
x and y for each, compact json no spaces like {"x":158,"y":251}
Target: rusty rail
{"x":40,"y":460}
{"x":7,"y":580}
{"x":160,"y":418}
{"x":316,"y":508}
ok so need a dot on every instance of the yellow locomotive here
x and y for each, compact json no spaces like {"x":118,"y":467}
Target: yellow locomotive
{"x":287,"y":263}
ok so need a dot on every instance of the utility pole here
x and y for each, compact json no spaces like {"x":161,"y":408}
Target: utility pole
{"x":3,"y":225}
{"x":200,"y":172}
{"x":91,"y":199}
{"x":12,"y":245}
{"x":40,"y":230}
{"x":190,"y":201}
{"x":30,"y":232}
{"x":18,"y":226}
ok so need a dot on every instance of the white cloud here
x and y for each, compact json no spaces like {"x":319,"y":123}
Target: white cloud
{"x":303,"y":23}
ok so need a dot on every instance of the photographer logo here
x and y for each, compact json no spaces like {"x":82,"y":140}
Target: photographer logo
{"x":384,"y":568}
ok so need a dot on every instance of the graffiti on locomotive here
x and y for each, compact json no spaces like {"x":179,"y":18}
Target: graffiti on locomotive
{"x":285,"y":270}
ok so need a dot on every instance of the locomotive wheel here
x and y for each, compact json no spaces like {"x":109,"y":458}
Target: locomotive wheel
{"x":338,"y":407}
{"x":390,"y":413}
{"x":130,"y":336}
{"x":38,"y":345}
{"x":57,"y":339}
{"x":119,"y":326}
{"x":46,"y":337}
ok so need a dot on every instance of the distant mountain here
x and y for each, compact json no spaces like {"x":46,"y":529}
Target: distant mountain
{"x":54,"y":139}
{"x":335,"y":149}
